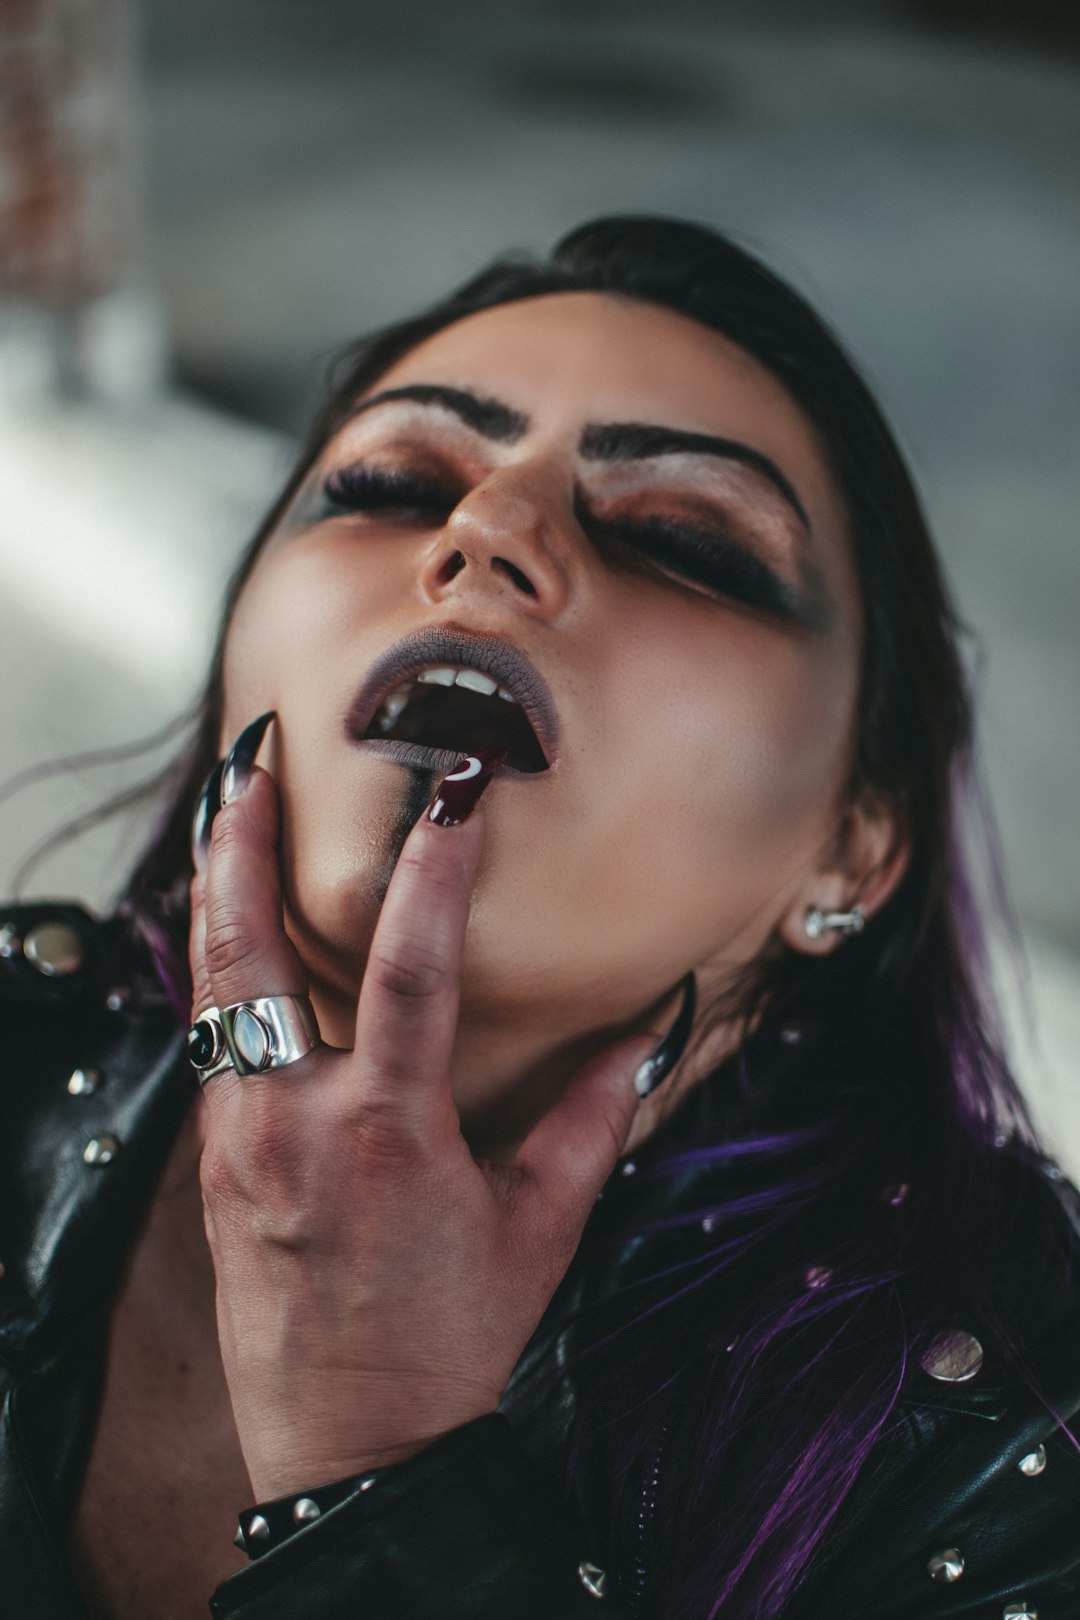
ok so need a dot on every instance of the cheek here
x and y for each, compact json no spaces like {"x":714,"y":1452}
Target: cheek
{"x":700,"y":801}
{"x":294,"y":602}
{"x":774,"y":752}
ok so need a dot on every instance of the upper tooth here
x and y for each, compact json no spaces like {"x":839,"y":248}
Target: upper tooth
{"x":475,"y":682}
{"x":472,"y":679}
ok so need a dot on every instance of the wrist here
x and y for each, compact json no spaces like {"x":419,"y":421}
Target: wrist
{"x":274,"y":1477}
{"x":276,"y":1519}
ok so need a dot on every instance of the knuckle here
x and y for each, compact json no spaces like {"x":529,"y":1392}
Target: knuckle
{"x":408,"y":970}
{"x":439,"y":872}
{"x":216,"y":1175}
{"x":389,"y":1138}
{"x":441,"y":869}
{"x":228,"y":945}
{"x":255,"y":1167}
{"x":228,"y":830}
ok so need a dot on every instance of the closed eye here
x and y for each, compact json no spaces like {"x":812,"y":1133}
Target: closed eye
{"x":364,"y":488}
{"x":710,"y":560}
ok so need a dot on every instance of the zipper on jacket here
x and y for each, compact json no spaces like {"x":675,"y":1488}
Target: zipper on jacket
{"x":646,"y":1515}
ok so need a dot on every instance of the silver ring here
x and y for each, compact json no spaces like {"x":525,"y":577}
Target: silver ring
{"x":252,"y":1037}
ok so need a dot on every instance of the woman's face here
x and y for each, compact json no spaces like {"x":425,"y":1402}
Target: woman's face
{"x":637,"y":507}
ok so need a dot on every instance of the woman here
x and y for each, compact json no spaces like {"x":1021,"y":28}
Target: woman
{"x":614,"y":1198}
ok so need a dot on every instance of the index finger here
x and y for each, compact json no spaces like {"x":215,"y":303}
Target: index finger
{"x":406,"y":1016}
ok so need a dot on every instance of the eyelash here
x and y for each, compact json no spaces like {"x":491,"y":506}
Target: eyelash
{"x":373,"y":489}
{"x":711,"y":560}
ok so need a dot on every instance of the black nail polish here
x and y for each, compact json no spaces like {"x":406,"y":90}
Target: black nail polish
{"x":240,"y":760}
{"x":207,"y":806}
{"x":661,"y":1061}
{"x":458,"y":793}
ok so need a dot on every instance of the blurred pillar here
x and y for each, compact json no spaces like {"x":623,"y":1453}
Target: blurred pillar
{"x":75,"y":315}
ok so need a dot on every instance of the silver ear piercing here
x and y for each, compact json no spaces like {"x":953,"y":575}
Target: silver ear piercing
{"x":847,"y":922}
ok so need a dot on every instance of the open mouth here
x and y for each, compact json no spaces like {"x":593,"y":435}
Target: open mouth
{"x":460,"y":710}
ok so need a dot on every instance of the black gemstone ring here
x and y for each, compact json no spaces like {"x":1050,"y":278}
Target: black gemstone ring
{"x":206,"y":1046}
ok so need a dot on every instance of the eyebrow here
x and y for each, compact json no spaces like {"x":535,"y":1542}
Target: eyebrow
{"x":634,"y":441}
{"x":487,"y":416}
{"x":612,"y":441}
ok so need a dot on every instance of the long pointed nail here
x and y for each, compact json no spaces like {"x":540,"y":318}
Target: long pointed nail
{"x":240,"y":760}
{"x":207,"y":806}
{"x":458,"y":793}
{"x":664,"y":1058}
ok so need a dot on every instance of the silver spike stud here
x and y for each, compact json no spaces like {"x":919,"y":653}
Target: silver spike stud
{"x":1020,"y":1611}
{"x":1033,"y":1464}
{"x":946,"y":1566}
{"x":55,"y":949}
{"x":83,"y":1082}
{"x":258,"y":1529}
{"x":305,"y":1511}
{"x":592,"y":1578}
{"x":238,"y":1539}
{"x":954,"y":1357}
{"x":101,"y":1150}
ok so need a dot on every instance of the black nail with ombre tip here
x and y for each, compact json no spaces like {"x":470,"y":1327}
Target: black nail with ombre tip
{"x":659,"y":1064}
{"x":207,"y":806}
{"x":458,"y":794}
{"x":240,"y":760}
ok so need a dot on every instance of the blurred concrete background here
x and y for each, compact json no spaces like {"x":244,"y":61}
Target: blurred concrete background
{"x":249,"y":185}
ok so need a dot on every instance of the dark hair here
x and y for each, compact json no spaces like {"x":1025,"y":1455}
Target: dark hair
{"x":870,"y":1066}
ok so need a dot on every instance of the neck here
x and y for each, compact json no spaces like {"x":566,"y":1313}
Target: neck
{"x":507,"y":1071}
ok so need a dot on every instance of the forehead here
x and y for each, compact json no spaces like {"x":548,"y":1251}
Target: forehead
{"x":564,"y":359}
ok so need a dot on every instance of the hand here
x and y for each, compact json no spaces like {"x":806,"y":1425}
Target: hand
{"x":376,"y":1284}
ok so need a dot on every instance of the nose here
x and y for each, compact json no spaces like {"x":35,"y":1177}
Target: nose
{"x":506,"y":539}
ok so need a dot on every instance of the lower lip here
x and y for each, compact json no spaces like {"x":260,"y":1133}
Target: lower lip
{"x":434,"y":759}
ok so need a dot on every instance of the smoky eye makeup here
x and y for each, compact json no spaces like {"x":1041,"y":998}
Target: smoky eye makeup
{"x":715,"y":562}
{"x":366,"y":487}
{"x":362,"y":486}
{"x":704,"y":553}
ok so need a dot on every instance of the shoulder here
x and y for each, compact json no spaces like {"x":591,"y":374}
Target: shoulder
{"x":61,"y":983}
{"x":49,"y":951}
{"x":972,"y":1496}
{"x":92,"y":1080}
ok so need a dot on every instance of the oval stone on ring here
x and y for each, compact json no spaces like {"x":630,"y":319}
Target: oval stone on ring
{"x":204,"y":1043}
{"x":251,"y":1038}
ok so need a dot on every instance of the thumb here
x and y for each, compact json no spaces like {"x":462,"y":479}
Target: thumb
{"x":571,"y":1152}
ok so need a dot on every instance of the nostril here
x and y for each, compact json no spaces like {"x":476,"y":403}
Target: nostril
{"x":522,"y":581}
{"x":452,"y":567}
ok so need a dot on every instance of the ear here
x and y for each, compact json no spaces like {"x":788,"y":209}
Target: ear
{"x":862,"y":867}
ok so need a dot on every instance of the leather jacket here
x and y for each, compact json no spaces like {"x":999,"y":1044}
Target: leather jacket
{"x":980,"y":1481}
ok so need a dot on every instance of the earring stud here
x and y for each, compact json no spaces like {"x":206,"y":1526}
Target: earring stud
{"x":819,"y":922}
